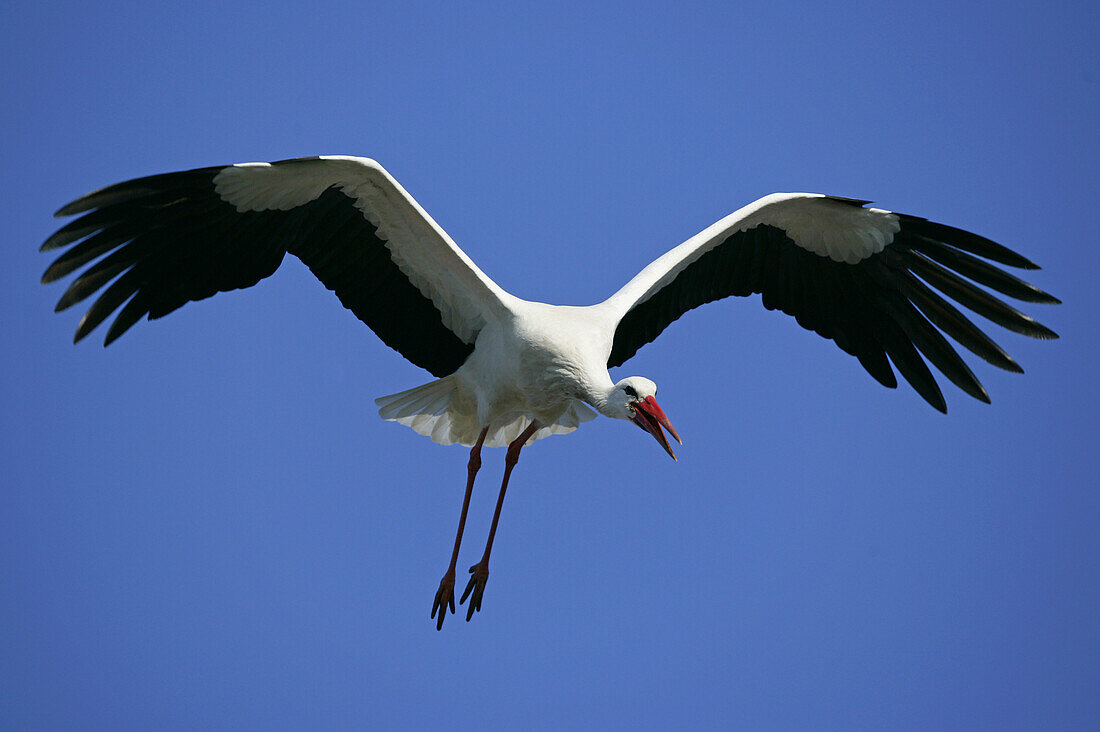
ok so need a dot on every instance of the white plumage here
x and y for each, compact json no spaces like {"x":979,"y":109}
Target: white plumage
{"x":509,"y":370}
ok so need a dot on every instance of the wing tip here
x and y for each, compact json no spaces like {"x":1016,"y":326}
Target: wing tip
{"x":85,"y":203}
{"x":1040,"y":332}
{"x":69,"y":209}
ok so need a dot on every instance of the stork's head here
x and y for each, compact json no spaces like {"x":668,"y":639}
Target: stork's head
{"x":632,"y":398}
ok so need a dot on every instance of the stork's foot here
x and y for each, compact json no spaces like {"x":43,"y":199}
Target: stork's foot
{"x":479,"y":576}
{"x":445,"y":596}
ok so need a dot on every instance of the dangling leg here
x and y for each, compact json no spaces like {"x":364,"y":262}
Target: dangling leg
{"x":480,"y":571}
{"x":446,"y":594}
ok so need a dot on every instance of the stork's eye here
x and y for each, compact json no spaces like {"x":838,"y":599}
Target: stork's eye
{"x":630,"y":391}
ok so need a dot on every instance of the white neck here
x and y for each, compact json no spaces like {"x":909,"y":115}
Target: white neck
{"x":598,"y":393}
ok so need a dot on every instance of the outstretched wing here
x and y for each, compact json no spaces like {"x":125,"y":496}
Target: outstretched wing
{"x":165,"y":240}
{"x":862,"y":277}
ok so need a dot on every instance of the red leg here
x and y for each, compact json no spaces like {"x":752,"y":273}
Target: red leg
{"x":446,"y":594}
{"x":480,"y":571}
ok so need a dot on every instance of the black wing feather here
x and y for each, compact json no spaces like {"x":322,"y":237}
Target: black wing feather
{"x":877,"y":310}
{"x":948,"y":318}
{"x":981,"y":272}
{"x":166,"y":240}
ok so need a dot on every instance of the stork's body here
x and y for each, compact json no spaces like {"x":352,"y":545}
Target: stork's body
{"x":508,"y":370}
{"x":538,"y":362}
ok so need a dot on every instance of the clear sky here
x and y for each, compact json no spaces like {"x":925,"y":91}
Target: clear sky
{"x":207,"y":526}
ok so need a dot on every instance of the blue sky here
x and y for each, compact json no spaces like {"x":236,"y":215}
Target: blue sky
{"x":207,"y":526}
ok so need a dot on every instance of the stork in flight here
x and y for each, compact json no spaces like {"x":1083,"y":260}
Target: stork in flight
{"x":510,"y":371}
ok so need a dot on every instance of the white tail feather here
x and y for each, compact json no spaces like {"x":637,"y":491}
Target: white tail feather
{"x":429,"y":409}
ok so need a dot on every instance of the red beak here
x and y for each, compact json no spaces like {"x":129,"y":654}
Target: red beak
{"x":650,"y":417}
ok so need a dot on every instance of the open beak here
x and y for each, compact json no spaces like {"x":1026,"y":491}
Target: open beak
{"x":650,"y":417}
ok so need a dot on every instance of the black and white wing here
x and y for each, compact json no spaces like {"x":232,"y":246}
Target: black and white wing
{"x":165,"y":240}
{"x":863,"y":277}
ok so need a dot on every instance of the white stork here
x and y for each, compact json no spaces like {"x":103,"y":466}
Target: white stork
{"x":510,"y":371}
